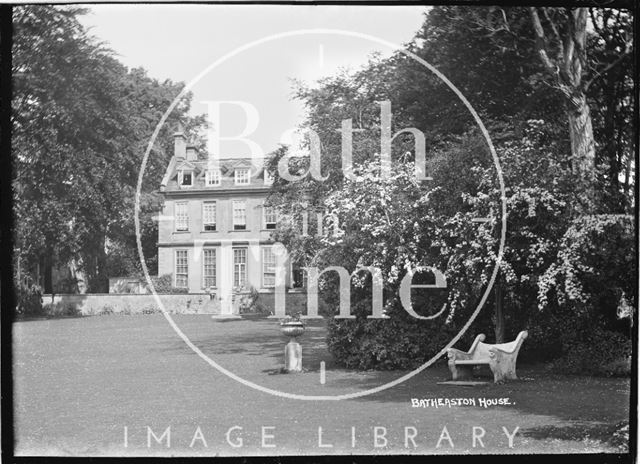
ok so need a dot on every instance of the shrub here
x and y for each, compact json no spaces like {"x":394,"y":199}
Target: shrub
{"x":249,"y":302}
{"x":106,"y":310}
{"x":149,"y":309}
{"x":164,"y":285}
{"x":29,"y":300}
{"x":620,"y":367}
{"x":597,"y":351}
{"x":61,"y":309}
{"x":620,"y":437}
{"x":400,"y":342}
{"x":174,"y":290}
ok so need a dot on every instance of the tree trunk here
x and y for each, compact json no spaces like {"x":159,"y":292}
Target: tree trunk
{"x":76,"y":268}
{"x":627,"y":177}
{"x":499,"y":312}
{"x":48,"y":273}
{"x":610,"y":150}
{"x":93,"y":264}
{"x":562,"y":50}
{"x":102,"y":279}
{"x":583,"y":151}
{"x":583,"y":148}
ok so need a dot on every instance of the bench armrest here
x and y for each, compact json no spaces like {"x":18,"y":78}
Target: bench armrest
{"x":455,"y":354}
{"x":518,"y":342}
{"x":494,"y":350}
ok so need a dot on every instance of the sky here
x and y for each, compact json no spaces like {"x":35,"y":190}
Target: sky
{"x":179,"y":42}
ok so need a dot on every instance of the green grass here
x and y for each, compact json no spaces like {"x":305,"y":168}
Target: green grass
{"x":79,"y":382}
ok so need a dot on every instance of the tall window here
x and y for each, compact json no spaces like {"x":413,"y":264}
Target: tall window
{"x":270,"y":217}
{"x":185,"y":178}
{"x":209,"y":267}
{"x":239,"y":215}
{"x":268,"y":267}
{"x":209,"y":216}
{"x":182,"y":269}
{"x":239,"y":267}
{"x":181,"y":215}
{"x":212,"y":177}
{"x":241,"y":176}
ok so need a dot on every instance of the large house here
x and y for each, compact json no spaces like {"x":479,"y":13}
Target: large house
{"x":214,"y":230}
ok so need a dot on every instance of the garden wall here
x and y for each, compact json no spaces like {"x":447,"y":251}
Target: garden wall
{"x":123,"y":303}
{"x":92,"y":304}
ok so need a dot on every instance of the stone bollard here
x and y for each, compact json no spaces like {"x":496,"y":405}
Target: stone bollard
{"x":293,"y":350}
{"x":293,"y":357}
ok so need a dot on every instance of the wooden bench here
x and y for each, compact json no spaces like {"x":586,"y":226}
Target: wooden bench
{"x":501,"y":358}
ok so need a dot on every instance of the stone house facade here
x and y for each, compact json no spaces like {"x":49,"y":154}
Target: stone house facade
{"x":214,"y":233}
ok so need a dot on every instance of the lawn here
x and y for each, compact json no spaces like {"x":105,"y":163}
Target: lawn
{"x":106,"y":385}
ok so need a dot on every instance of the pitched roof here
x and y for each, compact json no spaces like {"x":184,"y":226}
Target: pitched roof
{"x":227,"y":167}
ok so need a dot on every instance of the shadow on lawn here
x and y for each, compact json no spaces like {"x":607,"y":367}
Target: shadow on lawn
{"x":261,"y":337}
{"x":616,"y":434}
{"x":592,"y":408}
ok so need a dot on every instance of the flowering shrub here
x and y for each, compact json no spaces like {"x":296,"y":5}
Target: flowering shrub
{"x":558,"y":277}
{"x":594,"y":264}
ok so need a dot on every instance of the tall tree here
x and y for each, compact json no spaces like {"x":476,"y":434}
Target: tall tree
{"x":80,"y":122}
{"x":612,"y":95}
{"x":561,"y":43}
{"x":491,"y":55}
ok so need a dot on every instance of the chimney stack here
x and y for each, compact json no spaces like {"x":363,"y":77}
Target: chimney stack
{"x":179,"y":143}
{"x":192,"y":153}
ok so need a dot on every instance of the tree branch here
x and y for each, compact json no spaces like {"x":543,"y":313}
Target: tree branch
{"x":555,"y":31}
{"x":539,"y":44}
{"x":594,"y":21}
{"x":609,"y":67}
{"x":504,"y":18}
{"x":578,"y":24}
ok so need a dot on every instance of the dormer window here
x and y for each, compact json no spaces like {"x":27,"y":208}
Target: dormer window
{"x":241,"y":176}
{"x":212,"y":177}
{"x":185,"y":178}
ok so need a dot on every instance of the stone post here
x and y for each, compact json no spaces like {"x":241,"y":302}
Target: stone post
{"x":293,"y":356}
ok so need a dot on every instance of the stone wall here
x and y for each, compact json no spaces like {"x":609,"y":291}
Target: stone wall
{"x":92,"y":304}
